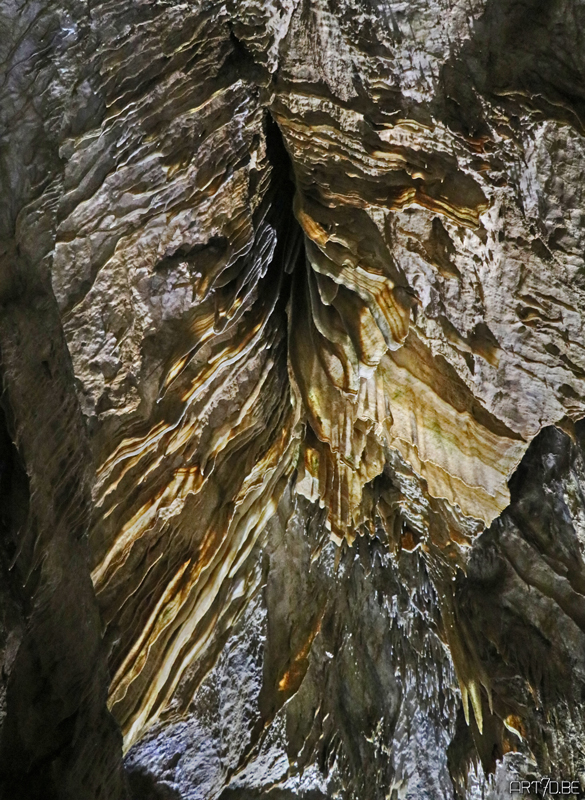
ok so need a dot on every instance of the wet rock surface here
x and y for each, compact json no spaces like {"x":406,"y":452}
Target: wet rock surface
{"x":292,"y":304}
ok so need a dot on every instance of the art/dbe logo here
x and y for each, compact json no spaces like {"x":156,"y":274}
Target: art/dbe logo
{"x":546,"y":786}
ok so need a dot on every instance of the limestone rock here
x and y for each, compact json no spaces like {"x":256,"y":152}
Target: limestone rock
{"x":292,"y":309}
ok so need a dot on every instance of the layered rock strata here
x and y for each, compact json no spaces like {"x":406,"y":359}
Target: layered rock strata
{"x":289,"y":292}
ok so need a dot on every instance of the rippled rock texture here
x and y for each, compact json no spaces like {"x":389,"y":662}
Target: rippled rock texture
{"x":292,"y":304}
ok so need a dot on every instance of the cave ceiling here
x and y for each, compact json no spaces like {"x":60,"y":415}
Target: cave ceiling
{"x":292,"y":473}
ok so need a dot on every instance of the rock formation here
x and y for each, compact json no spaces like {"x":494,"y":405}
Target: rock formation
{"x":292,"y":478}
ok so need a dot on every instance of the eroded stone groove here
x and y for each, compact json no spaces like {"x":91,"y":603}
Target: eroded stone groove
{"x":208,"y":474}
{"x":291,"y":325}
{"x":54,"y":674}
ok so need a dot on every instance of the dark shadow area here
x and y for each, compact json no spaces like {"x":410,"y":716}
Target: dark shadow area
{"x":525,"y":55}
{"x":522,"y":606}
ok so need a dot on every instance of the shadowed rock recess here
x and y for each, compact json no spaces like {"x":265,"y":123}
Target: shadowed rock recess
{"x":292,"y":359}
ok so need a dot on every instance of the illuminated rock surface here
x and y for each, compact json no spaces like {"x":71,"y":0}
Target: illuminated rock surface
{"x":292,"y":306}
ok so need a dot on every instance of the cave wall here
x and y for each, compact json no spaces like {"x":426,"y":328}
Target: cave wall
{"x":291,"y":332}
